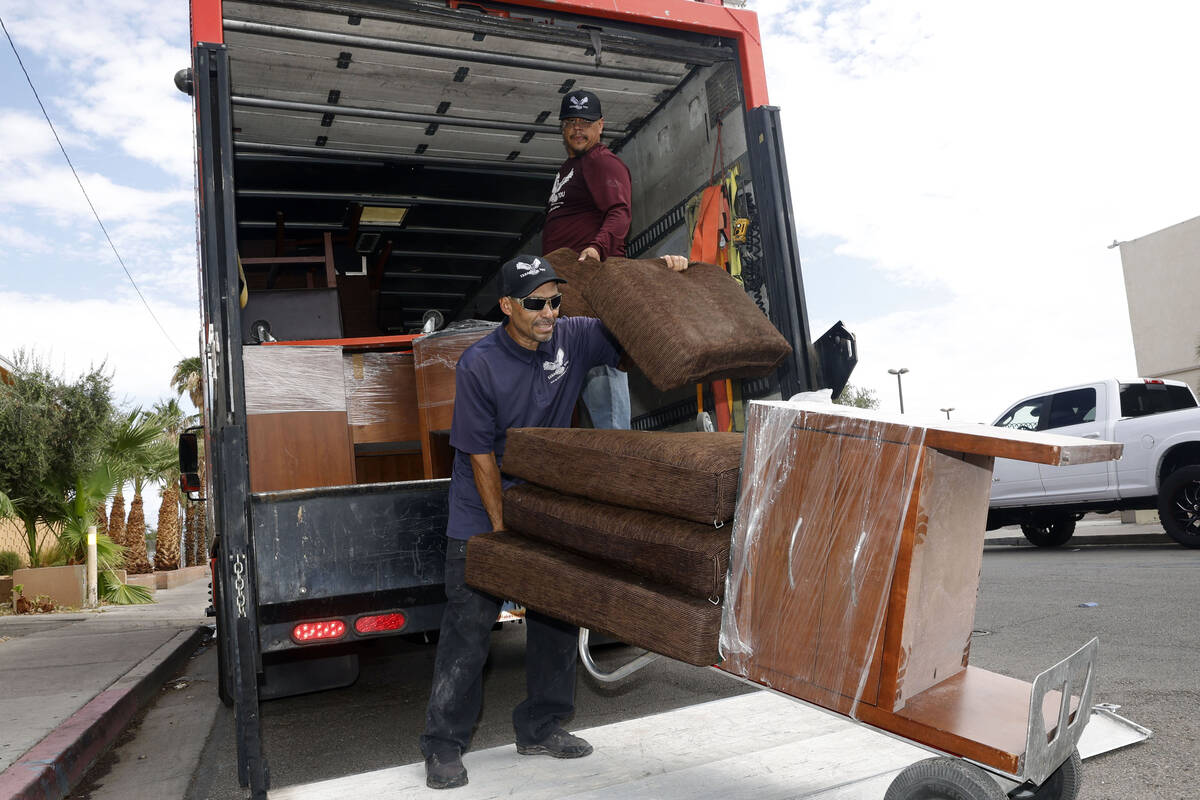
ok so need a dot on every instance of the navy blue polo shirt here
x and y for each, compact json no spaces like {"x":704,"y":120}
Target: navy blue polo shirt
{"x":500,"y":385}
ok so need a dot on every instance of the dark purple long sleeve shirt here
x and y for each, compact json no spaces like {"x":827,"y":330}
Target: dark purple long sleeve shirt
{"x":589,"y":204}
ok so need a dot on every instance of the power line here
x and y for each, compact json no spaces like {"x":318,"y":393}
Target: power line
{"x":99,"y":222}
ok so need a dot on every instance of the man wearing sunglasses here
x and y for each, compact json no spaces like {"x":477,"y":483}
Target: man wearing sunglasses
{"x":526,"y":373}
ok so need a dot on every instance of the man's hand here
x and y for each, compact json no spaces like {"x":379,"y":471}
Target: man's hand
{"x":677,"y":263}
{"x":589,"y":252}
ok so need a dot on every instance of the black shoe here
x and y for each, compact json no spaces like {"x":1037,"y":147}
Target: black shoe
{"x":559,"y":744}
{"x":445,"y":771}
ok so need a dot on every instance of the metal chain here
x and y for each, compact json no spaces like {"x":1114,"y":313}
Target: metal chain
{"x":239,"y":583}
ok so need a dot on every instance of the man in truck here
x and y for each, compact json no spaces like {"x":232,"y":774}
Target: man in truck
{"x":589,"y":211}
{"x":526,"y":373}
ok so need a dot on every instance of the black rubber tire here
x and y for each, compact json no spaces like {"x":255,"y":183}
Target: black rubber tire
{"x":1179,"y":505}
{"x":944,"y":779}
{"x":1063,"y":784}
{"x":1049,"y":532}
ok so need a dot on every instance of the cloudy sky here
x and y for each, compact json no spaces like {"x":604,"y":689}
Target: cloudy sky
{"x":957,"y":171}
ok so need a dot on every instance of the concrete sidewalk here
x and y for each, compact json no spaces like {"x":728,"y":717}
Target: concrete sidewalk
{"x":72,"y":682}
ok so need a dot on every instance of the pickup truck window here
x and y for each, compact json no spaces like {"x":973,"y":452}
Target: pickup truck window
{"x":1072,"y":408}
{"x":1024,"y":416}
{"x":1140,"y":399}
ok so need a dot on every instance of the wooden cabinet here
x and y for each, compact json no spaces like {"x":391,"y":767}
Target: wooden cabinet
{"x":435,"y":357}
{"x":296,"y":430}
{"x":855,"y":567}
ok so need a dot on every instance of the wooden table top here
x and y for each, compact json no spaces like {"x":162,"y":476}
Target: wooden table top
{"x":977,"y":439}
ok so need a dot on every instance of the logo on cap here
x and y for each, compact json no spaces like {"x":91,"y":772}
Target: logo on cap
{"x":578,"y":103}
{"x":525,"y":270}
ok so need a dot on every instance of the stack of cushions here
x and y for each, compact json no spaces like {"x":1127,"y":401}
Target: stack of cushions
{"x":621,"y":532}
{"x":715,"y":330}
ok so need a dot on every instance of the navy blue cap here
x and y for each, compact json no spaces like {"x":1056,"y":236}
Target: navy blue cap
{"x":521,"y":275}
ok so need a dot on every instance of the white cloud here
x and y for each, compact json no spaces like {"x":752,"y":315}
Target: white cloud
{"x":108,"y":74}
{"x":54,"y":189}
{"x":992,"y":152}
{"x":118,"y":332}
{"x":16,"y":238}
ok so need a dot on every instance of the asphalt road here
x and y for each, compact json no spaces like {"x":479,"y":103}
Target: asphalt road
{"x":1030,"y":615}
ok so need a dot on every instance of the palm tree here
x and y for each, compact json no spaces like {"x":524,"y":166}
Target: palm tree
{"x":137,"y":561}
{"x":192,"y":522}
{"x":100,"y":512}
{"x":188,"y":378}
{"x":132,"y":433}
{"x":116,"y":518}
{"x":129,"y":452}
{"x":164,"y":468}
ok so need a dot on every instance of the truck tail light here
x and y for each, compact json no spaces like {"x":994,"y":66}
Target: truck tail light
{"x":380,"y":623}
{"x":325,"y":630}
{"x":1154,"y":381}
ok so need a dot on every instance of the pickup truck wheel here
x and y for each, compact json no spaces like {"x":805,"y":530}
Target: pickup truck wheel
{"x":1050,"y":532}
{"x":1179,"y":505}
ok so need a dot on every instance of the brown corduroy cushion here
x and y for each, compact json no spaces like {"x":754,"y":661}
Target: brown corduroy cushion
{"x":595,"y":596}
{"x":684,"y":327}
{"x":687,"y":475}
{"x":567,"y":265}
{"x":687,"y":555}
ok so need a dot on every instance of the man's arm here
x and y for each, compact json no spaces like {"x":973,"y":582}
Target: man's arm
{"x":608,"y":182}
{"x":487,"y":481}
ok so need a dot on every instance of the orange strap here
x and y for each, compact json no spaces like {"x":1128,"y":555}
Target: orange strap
{"x":705,"y":238}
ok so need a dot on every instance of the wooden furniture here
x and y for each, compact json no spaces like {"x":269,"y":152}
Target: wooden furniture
{"x":854,"y":571}
{"x":296,"y":425}
{"x":335,"y":412}
{"x":381,"y":408}
{"x":434,"y":358}
{"x":309,"y":265}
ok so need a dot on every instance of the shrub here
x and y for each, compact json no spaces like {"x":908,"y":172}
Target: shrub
{"x":10,"y":562}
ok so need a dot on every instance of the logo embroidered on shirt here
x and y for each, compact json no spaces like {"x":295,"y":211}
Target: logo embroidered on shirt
{"x":557,"y":368}
{"x":578,"y":103}
{"x":559,"y":190}
{"x":525,"y":270}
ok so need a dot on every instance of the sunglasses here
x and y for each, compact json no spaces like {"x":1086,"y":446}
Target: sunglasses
{"x":538,"y":303}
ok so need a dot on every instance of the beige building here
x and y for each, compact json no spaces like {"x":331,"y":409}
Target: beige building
{"x":1162,"y":284}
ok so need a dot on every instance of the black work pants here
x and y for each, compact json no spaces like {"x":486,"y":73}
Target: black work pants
{"x":457,"y":694}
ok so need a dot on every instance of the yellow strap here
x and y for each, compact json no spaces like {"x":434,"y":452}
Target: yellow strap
{"x":735,"y":254}
{"x":243,"y":292}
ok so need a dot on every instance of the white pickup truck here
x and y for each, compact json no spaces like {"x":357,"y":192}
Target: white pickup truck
{"x":1158,"y":422}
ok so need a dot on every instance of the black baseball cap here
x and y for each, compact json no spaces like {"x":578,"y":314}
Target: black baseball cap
{"x":521,"y":275}
{"x":580,"y":105}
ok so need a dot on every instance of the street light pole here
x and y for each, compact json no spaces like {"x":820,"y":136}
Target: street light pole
{"x":899,"y":386}
{"x":947,"y":411}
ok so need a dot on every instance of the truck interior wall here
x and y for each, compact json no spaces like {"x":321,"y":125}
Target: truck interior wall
{"x":671,"y":154}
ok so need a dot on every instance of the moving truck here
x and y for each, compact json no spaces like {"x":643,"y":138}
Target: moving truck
{"x":363,"y":169}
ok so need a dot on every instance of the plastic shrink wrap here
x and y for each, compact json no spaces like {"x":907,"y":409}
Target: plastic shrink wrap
{"x":823,"y":500}
{"x":282,"y":379}
{"x":435,"y":357}
{"x":381,"y":398}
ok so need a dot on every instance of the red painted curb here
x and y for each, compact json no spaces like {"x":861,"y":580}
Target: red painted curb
{"x":53,"y":766}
